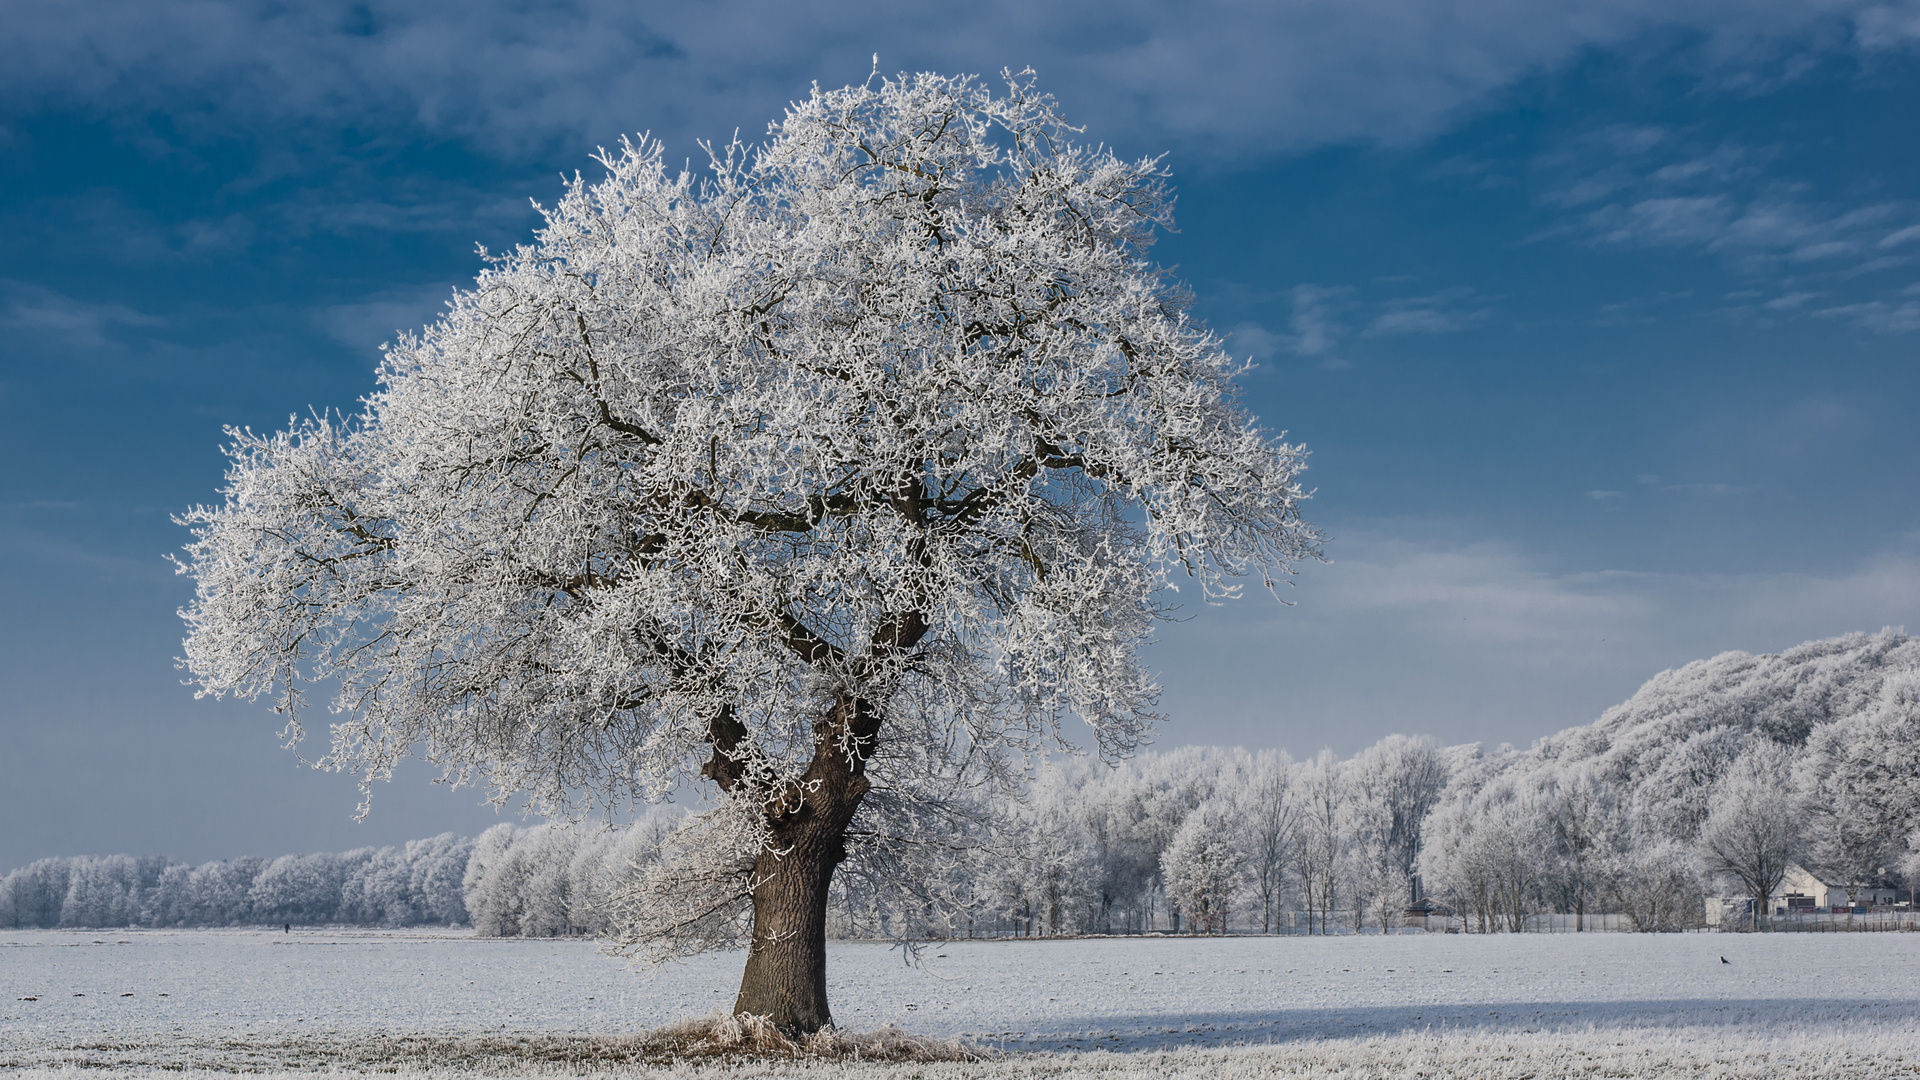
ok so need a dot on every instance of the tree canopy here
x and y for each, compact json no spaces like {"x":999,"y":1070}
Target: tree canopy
{"x":874,"y":450}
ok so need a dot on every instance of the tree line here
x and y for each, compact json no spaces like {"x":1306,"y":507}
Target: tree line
{"x":420,"y":884}
{"x":1712,"y":779}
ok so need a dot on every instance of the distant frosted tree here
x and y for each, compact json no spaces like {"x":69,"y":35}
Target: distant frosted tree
{"x":1860,"y":781}
{"x":1834,"y":705}
{"x":1656,"y":885}
{"x":553,"y":880}
{"x":1490,"y":850}
{"x":1318,"y":854}
{"x":870,"y":457}
{"x":107,"y":890}
{"x":38,"y":891}
{"x":1448,"y":865}
{"x":1583,"y":814}
{"x":1049,"y":878}
{"x":168,"y":903}
{"x":491,"y":886}
{"x":520,"y":882}
{"x":1753,"y":832}
{"x":1394,"y":785}
{"x":1114,"y":820}
{"x":1271,"y":812}
{"x":1203,"y":866}
{"x":1910,"y":866}
{"x":217,"y":893}
{"x":1513,"y":843}
{"x":436,"y":868}
{"x":303,"y":889}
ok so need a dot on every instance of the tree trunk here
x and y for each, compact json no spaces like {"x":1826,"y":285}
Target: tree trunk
{"x":786,"y":974}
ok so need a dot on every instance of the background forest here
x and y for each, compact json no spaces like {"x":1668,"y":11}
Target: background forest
{"x":1816,"y":749}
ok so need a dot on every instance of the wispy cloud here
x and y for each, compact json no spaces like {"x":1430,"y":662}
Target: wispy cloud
{"x":1653,"y":187}
{"x":375,"y":320}
{"x":1446,"y":312}
{"x":1321,"y":319}
{"x":1900,"y":236}
{"x":34,"y":309}
{"x":1790,"y":301}
{"x":1315,"y":319}
{"x":1474,"y":641}
{"x":509,"y":76}
{"x":1880,"y":316}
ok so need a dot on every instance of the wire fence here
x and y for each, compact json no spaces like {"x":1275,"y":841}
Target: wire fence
{"x":1870,"y":922}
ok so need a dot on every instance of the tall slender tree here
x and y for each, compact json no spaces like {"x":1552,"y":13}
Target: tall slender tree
{"x":862,"y":461}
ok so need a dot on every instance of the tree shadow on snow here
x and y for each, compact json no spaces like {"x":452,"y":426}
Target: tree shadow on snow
{"x":1156,"y":1031}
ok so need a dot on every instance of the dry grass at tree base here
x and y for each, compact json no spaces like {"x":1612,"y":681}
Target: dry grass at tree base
{"x":715,"y":1038}
{"x":720,"y":1035}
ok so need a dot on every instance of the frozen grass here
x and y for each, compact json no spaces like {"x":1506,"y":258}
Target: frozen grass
{"x":1709,"y":1054}
{"x":1428,"y":1007}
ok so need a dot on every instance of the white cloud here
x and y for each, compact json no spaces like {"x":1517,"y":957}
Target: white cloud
{"x":1244,"y":78}
{"x":1894,"y":239}
{"x":1484,"y":641}
{"x":375,"y":320}
{"x":1651,"y":187}
{"x":1445,"y":312}
{"x":1315,"y":323}
{"x":1790,"y":301}
{"x":34,"y":309}
{"x":1253,"y":339}
{"x":1642,"y":187}
{"x":1879,"y":316}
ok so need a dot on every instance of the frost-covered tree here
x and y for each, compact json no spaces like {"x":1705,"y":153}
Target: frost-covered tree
{"x":219,"y":893}
{"x":1271,"y":814}
{"x":865,"y":459}
{"x":1321,"y":848}
{"x":1753,"y":832}
{"x":38,"y":891}
{"x":1394,"y":784}
{"x":303,"y":889}
{"x":1909,"y":867}
{"x":1051,"y":884}
{"x":1582,"y":813}
{"x":1860,"y":781}
{"x":1513,"y":842}
{"x":108,"y":890}
{"x":1203,"y":866}
{"x":1656,"y":885}
{"x":1490,"y":851}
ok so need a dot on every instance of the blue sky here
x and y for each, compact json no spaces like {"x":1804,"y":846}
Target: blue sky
{"x":1601,"y":319}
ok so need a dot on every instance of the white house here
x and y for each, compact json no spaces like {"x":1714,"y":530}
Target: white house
{"x":1801,"y":890}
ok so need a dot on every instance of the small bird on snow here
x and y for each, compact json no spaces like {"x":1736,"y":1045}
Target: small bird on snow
{"x":1723,"y":959}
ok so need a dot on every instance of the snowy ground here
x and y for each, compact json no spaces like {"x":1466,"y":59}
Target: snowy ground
{"x":239,"y":998}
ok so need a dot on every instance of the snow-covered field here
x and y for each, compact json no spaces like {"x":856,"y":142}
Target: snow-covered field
{"x":1839,"y":1005}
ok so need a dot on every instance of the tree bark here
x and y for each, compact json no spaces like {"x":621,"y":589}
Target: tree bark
{"x":786,"y":974}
